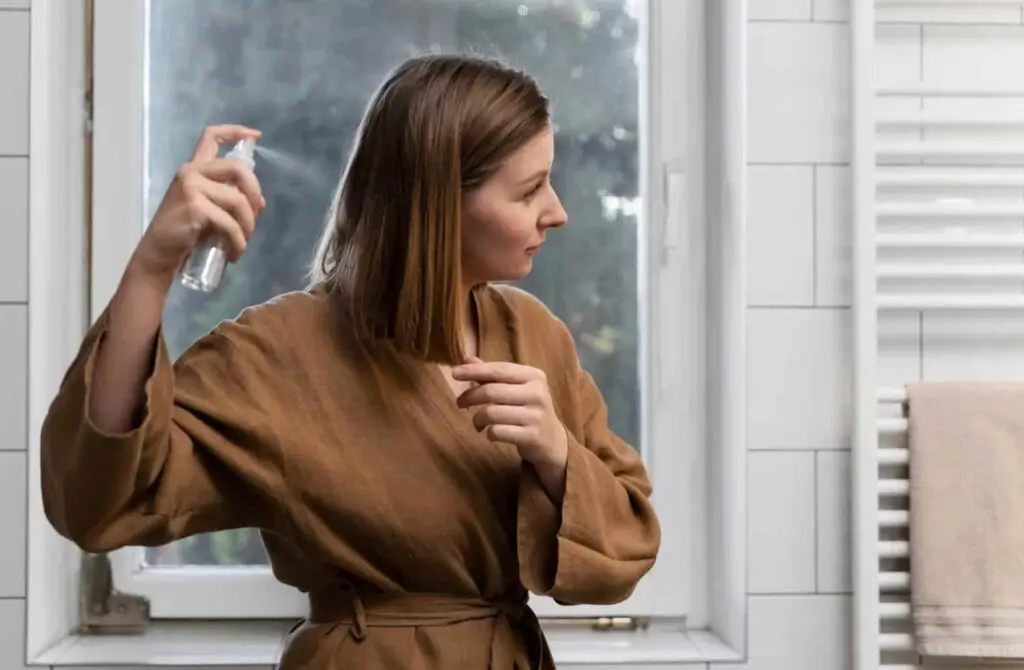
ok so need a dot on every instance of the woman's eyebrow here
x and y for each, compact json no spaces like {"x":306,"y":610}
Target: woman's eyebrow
{"x":532,"y":177}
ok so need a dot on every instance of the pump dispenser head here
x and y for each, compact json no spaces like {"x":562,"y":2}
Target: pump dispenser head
{"x":245,"y":151}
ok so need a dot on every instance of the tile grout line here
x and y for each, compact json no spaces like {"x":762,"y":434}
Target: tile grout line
{"x":794,"y":594}
{"x":843,"y":22}
{"x":798,"y":163}
{"x":817,"y":524}
{"x":800,"y":450}
{"x":819,"y":308}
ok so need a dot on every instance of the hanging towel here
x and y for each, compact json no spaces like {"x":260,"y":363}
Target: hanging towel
{"x":967,"y":518}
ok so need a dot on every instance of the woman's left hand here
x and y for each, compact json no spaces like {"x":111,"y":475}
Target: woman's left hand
{"x":516,"y":408}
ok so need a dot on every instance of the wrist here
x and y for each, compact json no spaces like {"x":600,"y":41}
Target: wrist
{"x":553,"y":460}
{"x":140,"y":273}
{"x":551,"y":471}
{"x":139,"y":301}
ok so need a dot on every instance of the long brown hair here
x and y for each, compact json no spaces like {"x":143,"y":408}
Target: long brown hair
{"x":390,"y":254}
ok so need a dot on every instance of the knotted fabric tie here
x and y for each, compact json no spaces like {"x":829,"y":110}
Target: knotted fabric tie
{"x":344,"y":605}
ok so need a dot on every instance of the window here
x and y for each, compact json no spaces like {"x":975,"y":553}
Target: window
{"x":306,"y":87}
{"x":626,"y":275}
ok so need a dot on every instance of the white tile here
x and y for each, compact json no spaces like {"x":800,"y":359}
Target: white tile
{"x":14,"y":229}
{"x":833,"y":237}
{"x":963,"y":13}
{"x":799,"y":91}
{"x":14,"y":66}
{"x":897,"y":55}
{"x":12,"y":634}
{"x":973,"y":346}
{"x":799,"y":633}
{"x":975,"y":56}
{"x":780,"y":235}
{"x":13,"y":381}
{"x":13,"y":503}
{"x":834,"y":544}
{"x":781,"y":522}
{"x":798,"y":378}
{"x":831,"y":10}
{"x":779,"y":10}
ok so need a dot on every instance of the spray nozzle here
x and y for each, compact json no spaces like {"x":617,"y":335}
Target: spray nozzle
{"x":244,"y":150}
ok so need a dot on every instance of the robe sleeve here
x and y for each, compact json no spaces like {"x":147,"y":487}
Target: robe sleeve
{"x":202,"y":456}
{"x":606,"y":535}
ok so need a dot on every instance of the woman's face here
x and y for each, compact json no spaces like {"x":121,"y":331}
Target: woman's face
{"x":504,"y":221}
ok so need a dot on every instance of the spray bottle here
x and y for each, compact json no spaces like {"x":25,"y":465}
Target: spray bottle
{"x":205,"y":266}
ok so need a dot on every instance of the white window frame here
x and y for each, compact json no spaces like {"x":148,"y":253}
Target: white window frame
{"x":696,"y":450}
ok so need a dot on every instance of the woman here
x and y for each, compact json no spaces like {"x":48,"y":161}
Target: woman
{"x":418,"y":445}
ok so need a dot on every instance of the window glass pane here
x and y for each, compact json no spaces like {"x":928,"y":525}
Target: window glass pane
{"x":302,"y":71}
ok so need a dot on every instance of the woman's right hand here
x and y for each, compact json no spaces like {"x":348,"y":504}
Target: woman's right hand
{"x":209,"y":195}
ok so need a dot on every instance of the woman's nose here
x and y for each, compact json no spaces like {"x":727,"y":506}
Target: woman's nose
{"x":556,"y":216}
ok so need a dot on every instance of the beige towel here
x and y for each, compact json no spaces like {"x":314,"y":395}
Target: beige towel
{"x":967,"y":518}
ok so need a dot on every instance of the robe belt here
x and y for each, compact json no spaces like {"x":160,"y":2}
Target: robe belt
{"x":344,"y":605}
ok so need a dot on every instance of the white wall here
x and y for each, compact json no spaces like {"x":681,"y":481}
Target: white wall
{"x":14,"y":120}
{"x":799,"y":321}
{"x":799,"y":327}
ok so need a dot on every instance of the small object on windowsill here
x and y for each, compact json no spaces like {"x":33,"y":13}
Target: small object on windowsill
{"x":103,"y":609}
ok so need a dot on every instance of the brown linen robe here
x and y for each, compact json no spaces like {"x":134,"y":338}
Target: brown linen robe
{"x":414,"y":535}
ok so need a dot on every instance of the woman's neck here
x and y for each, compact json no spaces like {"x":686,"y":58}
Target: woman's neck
{"x":469,"y":329}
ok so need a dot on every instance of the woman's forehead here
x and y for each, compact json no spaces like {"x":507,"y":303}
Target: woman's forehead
{"x":530,"y":159}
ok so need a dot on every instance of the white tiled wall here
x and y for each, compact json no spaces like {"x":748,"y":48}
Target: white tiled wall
{"x":14,"y":80}
{"x":799,"y":325}
{"x":799,"y":361}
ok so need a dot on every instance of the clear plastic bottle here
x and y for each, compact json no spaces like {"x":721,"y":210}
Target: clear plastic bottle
{"x":205,"y":266}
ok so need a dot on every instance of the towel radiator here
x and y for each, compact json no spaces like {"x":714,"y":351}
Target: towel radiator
{"x":892,"y":233}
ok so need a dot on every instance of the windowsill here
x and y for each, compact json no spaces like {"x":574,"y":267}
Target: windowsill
{"x":258,"y":643}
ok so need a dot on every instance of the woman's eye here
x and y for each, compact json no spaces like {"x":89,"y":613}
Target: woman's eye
{"x":533,"y":191}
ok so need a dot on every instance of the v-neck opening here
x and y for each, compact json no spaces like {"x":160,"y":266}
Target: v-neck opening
{"x":447,"y":405}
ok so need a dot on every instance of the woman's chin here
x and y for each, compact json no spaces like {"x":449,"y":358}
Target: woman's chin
{"x":521,"y":271}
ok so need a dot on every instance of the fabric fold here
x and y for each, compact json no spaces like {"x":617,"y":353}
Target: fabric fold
{"x":966,"y":445}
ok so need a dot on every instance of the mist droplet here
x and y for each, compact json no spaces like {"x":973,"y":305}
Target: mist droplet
{"x":293,"y":166}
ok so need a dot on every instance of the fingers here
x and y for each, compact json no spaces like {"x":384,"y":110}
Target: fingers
{"x":485,"y":373}
{"x":517,"y":435}
{"x":511,"y":415}
{"x":233,"y":202}
{"x":213,"y":136}
{"x":497,"y":394}
{"x":234,"y":172}
{"x":194,"y":181}
{"x":202,"y":209}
